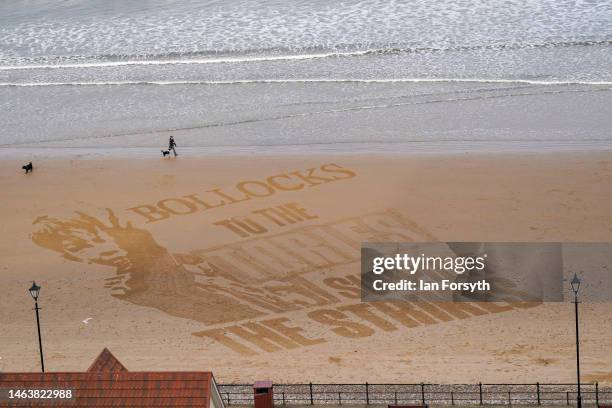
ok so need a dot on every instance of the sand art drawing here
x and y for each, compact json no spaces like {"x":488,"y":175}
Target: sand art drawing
{"x":146,"y":273}
{"x":261,"y":278}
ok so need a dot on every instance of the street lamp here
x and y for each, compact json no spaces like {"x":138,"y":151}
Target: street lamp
{"x":575,"y":287}
{"x":34,"y":291}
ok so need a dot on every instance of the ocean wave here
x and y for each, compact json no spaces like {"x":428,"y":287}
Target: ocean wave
{"x":313,"y":80}
{"x":188,"y":58}
{"x":223,"y":60}
{"x":517,"y":46}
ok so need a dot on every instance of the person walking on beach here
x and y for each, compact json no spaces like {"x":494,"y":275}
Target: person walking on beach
{"x":172,"y":145}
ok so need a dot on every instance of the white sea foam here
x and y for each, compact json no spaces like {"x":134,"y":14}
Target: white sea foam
{"x":187,"y":61}
{"x":163,"y":60}
{"x":40,"y":29}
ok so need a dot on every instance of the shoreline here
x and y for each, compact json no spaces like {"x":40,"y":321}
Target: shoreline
{"x":324,"y":149}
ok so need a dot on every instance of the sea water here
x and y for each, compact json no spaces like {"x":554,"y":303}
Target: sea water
{"x":278,"y":75}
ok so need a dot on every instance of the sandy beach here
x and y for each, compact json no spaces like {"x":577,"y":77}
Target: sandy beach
{"x":249,"y":265}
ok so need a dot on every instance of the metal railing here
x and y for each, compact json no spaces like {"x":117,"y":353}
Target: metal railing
{"x":417,"y":394}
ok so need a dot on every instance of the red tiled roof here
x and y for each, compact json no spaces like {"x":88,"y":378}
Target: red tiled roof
{"x":115,"y":389}
{"x":106,"y":363}
{"x":107,"y":383}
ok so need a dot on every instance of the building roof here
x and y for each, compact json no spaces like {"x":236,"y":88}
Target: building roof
{"x":113,"y":386}
{"x":106,"y":362}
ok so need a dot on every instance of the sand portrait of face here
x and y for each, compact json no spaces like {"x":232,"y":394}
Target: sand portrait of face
{"x":97,"y":248}
{"x":84,"y":239}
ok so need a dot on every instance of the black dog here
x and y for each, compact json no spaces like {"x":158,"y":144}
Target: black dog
{"x":165,"y":153}
{"x":28,"y":167}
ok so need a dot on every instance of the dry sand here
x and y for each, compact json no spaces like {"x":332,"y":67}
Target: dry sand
{"x":159,"y":293}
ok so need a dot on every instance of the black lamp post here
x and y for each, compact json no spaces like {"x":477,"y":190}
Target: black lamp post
{"x":575,"y":286}
{"x":34,"y":291}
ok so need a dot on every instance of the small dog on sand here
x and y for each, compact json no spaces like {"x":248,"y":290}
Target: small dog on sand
{"x":28,"y":167}
{"x":165,"y":153}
